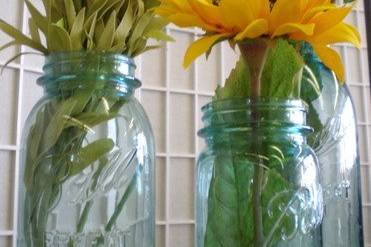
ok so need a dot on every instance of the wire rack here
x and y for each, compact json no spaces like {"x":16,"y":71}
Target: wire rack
{"x":172,"y":98}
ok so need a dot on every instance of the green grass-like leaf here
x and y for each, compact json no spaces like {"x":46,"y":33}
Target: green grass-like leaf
{"x":89,"y":154}
{"x":20,"y":38}
{"x":120,"y":26}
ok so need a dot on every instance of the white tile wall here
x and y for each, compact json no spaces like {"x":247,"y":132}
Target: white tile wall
{"x":172,"y":98}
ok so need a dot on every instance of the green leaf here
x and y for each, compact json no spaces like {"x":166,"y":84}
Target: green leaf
{"x":138,"y":47}
{"x":90,"y":154}
{"x":92,"y":119}
{"x":34,"y":30}
{"x":229,"y":220}
{"x":159,"y":35}
{"x":77,"y":31}
{"x":33,"y":146}
{"x":96,"y":6}
{"x":312,"y":83}
{"x":82,"y":98}
{"x":59,"y":39}
{"x":147,"y":48}
{"x":140,"y":7}
{"x":109,"y":8}
{"x":106,"y":39}
{"x":138,"y":31}
{"x":238,"y":83}
{"x":15,"y":57}
{"x":157,"y":23}
{"x":47,"y":6}
{"x":70,"y":12}
{"x":149,"y":4}
{"x":57,"y":123}
{"x":78,"y":4}
{"x":315,"y":74}
{"x":125,"y":25}
{"x":57,"y":11}
{"x":90,"y":25}
{"x":118,"y":48}
{"x":20,"y":38}
{"x":99,"y":29}
{"x":40,"y":20}
{"x":9,"y":44}
{"x":282,"y":70}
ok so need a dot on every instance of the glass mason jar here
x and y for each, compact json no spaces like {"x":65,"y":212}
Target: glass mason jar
{"x":335,"y":143}
{"x":87,"y":165}
{"x":258,"y":181}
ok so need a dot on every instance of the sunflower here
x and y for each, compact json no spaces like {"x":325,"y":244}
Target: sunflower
{"x":318,"y":22}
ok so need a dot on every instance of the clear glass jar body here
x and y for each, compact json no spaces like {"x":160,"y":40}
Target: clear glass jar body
{"x":87,"y":165}
{"x":257,"y":181}
{"x":335,"y":144}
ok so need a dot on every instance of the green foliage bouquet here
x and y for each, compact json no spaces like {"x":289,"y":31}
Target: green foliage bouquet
{"x":89,"y":46}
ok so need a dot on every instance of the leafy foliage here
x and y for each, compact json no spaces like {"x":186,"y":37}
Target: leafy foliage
{"x":237,"y":84}
{"x":119,"y":26}
{"x":230,"y":220}
{"x":58,"y":149}
{"x":281,"y":76}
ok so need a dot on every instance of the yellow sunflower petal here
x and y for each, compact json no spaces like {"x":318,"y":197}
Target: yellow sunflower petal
{"x":331,"y":59}
{"x":315,"y":3}
{"x":254,"y":30}
{"x":265,"y":8}
{"x":187,"y":20}
{"x":258,"y":9}
{"x":199,"y":47}
{"x":236,"y":13}
{"x":311,"y":12}
{"x":206,"y":10}
{"x":306,"y":29}
{"x":340,"y":33}
{"x":330,"y":18}
{"x":285,"y":11}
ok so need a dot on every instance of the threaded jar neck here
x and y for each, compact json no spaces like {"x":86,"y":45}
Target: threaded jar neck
{"x":262,"y":117}
{"x":68,"y":71}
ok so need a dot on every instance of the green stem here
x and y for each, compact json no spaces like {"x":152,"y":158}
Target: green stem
{"x":84,"y":217}
{"x":257,"y":206}
{"x":85,"y":213}
{"x":121,"y":204}
{"x":255,"y":54}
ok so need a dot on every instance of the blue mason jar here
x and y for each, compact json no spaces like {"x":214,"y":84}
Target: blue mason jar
{"x":258,"y":181}
{"x":87,"y":165}
{"x":335,"y":143}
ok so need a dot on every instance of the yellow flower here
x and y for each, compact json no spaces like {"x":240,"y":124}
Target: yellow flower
{"x":318,"y":22}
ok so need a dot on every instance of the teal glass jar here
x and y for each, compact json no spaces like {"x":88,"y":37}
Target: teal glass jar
{"x":258,"y":181}
{"x":87,"y":164}
{"x":333,"y":117}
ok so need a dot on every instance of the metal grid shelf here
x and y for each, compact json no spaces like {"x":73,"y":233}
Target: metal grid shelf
{"x":159,"y":97}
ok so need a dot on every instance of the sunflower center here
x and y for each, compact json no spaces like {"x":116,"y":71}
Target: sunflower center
{"x":216,"y":2}
{"x":272,"y":2}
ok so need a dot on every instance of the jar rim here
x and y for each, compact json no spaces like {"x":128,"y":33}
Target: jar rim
{"x":242,"y":103}
{"x":219,"y":116}
{"x":68,"y":66}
